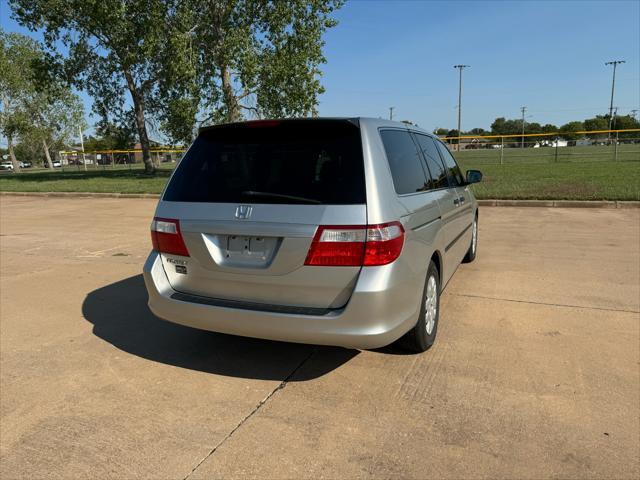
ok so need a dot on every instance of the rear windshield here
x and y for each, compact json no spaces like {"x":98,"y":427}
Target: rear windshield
{"x":299,"y":162}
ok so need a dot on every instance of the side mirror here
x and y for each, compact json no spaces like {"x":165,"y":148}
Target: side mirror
{"x":474,"y":176}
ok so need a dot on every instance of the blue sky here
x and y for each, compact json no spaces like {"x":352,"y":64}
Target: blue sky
{"x":548,"y":56}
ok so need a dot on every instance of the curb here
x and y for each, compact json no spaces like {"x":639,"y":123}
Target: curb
{"x":80,"y":194}
{"x":560,"y":203}
{"x":482,"y":203}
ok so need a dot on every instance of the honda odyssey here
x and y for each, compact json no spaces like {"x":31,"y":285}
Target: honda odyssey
{"x":325,"y":231}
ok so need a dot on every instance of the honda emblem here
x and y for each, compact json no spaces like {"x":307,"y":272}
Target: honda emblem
{"x":243,"y":212}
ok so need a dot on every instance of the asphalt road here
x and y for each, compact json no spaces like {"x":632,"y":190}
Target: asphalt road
{"x":535,"y":374}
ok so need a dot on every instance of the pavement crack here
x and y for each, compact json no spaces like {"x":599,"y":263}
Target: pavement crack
{"x":262,"y":402}
{"x":545,"y":303}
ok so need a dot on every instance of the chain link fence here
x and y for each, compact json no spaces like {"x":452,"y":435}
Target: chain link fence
{"x":606,"y":145}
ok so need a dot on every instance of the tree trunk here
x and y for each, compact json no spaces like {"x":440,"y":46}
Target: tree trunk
{"x":12,"y":155}
{"x":230,"y":101}
{"x":46,"y":153}
{"x":138,"y":107}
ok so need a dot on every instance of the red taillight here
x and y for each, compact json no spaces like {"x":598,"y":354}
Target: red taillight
{"x":261,"y":123}
{"x":356,"y":245}
{"x":167,"y":238}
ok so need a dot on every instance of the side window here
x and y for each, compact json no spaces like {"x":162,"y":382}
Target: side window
{"x":434,"y":162}
{"x":454,"y":170}
{"x":404,"y":161}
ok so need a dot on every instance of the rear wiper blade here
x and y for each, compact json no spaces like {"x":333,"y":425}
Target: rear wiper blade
{"x":252,"y":193}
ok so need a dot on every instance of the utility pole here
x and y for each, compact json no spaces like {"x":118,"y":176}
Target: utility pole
{"x":391,"y":113}
{"x":615,"y":63}
{"x":460,"y":68}
{"x":84,"y":161}
{"x":523,"y":110}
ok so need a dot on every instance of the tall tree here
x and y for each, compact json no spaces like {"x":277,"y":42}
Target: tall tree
{"x":56,"y":114}
{"x":254,"y":58}
{"x":17,"y":56}
{"x":113,"y":46}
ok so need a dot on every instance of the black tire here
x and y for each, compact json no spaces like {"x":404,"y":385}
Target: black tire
{"x":418,"y":339}
{"x":473,"y":248}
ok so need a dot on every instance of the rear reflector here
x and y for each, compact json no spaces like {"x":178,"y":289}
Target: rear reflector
{"x":356,"y":245}
{"x":167,"y":238}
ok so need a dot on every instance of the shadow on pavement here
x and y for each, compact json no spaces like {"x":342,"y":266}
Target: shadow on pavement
{"x":120,"y":316}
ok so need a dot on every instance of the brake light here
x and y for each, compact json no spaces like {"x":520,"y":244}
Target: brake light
{"x":350,"y":246}
{"x":167,"y":238}
{"x":261,"y":123}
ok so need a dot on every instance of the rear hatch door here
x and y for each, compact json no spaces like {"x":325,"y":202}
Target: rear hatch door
{"x":250,"y":197}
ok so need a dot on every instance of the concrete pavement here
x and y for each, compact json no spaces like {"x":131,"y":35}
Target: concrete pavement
{"x":535,"y":373}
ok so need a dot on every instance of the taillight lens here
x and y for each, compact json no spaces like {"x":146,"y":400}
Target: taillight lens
{"x":167,"y":238}
{"x":350,"y":246}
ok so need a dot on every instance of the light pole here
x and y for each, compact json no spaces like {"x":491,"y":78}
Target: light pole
{"x":391,"y":113}
{"x":615,"y":63}
{"x":523,"y":110}
{"x":460,"y":68}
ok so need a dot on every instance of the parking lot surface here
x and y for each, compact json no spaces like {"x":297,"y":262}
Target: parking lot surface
{"x":535,"y":373}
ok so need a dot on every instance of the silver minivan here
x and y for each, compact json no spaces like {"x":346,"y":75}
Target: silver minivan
{"x":325,"y":231}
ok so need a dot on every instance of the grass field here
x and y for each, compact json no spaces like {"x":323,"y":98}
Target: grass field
{"x":533,"y":175}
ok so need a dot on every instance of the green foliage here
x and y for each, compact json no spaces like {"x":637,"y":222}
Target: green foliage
{"x":599,"y":122}
{"x":38,"y":114}
{"x":17,"y":55}
{"x":567,"y":130}
{"x":257,"y":58}
{"x":180,"y":60}
{"x":624,"y":122}
{"x":114,"y":47}
{"x":502,"y":126}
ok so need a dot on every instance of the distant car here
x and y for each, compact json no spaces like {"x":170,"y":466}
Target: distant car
{"x":6,"y":166}
{"x":25,"y":164}
{"x":55,"y":163}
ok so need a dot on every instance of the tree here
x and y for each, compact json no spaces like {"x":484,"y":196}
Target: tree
{"x":502,"y":126}
{"x":113,"y":47}
{"x":56,"y":114}
{"x":477,"y":131}
{"x":567,"y":130}
{"x":597,"y":123}
{"x":624,"y":122}
{"x":441,"y":132}
{"x":254,"y":57}
{"x":111,"y":137}
{"x":17,"y":55}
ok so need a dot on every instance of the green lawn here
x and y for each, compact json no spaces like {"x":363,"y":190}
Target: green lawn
{"x":110,"y":180}
{"x":562,"y":181}
{"x":535,"y":179}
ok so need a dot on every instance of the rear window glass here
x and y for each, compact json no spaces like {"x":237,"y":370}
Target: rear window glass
{"x":404,"y":161}
{"x":288,"y":162}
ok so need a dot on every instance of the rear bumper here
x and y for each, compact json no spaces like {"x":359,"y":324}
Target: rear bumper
{"x":383,"y":306}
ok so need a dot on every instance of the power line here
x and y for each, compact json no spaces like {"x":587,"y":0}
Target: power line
{"x":460,"y":68}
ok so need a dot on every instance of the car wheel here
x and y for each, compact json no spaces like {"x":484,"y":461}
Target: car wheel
{"x":473,"y":248}
{"x":422,"y":336}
